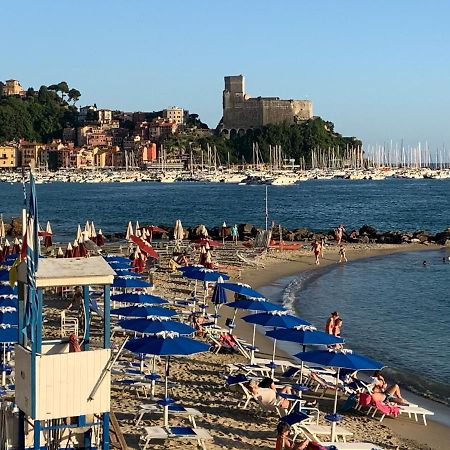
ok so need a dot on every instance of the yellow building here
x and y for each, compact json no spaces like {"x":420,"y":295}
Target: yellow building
{"x":174,"y":114}
{"x":8,"y":156}
{"x":12,"y":87}
{"x":29,"y":154}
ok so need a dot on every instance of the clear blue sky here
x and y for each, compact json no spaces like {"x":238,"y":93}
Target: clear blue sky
{"x":379,"y":70}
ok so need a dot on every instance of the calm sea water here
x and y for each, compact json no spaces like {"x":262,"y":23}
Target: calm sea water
{"x":388,"y":205}
{"x":394,"y":308}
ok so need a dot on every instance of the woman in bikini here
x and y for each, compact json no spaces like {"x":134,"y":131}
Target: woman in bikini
{"x":382,"y":393}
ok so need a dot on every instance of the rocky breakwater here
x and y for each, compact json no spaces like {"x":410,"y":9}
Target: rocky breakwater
{"x":365,"y":235}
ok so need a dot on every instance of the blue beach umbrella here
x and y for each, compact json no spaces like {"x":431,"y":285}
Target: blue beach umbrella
{"x":9,"y":334}
{"x":143,"y":299}
{"x":9,"y":318}
{"x":6,"y":289}
{"x":193,"y":267}
{"x":7,"y":262}
{"x":242,"y":289}
{"x":155,"y":325}
{"x":120,"y":265}
{"x":8,"y":302}
{"x":130,"y":283}
{"x":128,"y":275}
{"x":252,"y":304}
{"x":143,"y":311}
{"x":207,"y":275}
{"x":276,"y":319}
{"x":117,"y":259}
{"x":166,"y":344}
{"x":4,"y":275}
{"x":339,"y":359}
{"x":304,"y":335}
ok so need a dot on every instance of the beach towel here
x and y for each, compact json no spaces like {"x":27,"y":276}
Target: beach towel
{"x":364,"y":399}
{"x":385,"y":408}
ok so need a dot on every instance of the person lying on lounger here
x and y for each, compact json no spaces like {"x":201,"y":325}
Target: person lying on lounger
{"x":266,"y":393}
{"x":284,"y":443}
{"x":384,"y":393}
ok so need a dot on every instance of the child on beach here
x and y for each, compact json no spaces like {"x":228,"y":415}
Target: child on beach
{"x":342,"y":256}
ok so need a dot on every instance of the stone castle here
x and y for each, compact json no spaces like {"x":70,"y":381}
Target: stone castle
{"x":242,"y":112}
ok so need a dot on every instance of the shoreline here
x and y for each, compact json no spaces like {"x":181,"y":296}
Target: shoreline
{"x":281,"y":266}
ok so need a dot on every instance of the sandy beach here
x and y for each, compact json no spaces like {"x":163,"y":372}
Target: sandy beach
{"x":199,"y":381}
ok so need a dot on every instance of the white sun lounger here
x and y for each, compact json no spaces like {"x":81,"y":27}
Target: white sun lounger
{"x":314,"y":431}
{"x":413,"y":410}
{"x":352,"y":445}
{"x":190,"y":413}
{"x":179,"y":433}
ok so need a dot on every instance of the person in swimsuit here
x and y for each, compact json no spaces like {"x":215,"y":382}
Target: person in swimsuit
{"x":383,"y":393}
{"x":285,"y":443}
{"x":337,"y":330}
{"x":329,"y":326}
{"x":316,"y":248}
{"x":342,"y":256}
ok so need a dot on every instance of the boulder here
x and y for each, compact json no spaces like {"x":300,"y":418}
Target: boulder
{"x":301,"y":233}
{"x":369,"y":230}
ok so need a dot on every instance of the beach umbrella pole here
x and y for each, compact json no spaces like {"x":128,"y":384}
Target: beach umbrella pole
{"x":333,"y":424}
{"x":166,"y":394}
{"x":272,"y":370}
{"x":252,"y":353}
{"x":153,"y":372}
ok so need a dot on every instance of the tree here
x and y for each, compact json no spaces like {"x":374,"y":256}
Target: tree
{"x":31,"y":92}
{"x":74,"y":95}
{"x":63,"y":87}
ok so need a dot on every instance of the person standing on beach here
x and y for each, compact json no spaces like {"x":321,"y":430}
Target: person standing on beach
{"x":316,"y":248}
{"x":234,"y":233}
{"x":329,"y":327}
{"x":322,"y":245}
{"x":342,"y":256}
{"x":339,"y":233}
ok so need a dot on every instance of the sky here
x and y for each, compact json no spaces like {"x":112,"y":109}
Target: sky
{"x":380,"y":70}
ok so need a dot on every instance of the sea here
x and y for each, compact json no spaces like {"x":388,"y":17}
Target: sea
{"x":395,"y":308}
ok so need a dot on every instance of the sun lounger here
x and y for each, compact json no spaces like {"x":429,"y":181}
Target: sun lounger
{"x":314,"y":431}
{"x":174,"y":409}
{"x":351,"y":446}
{"x":137,"y":385}
{"x":179,"y":433}
{"x":415,"y":411}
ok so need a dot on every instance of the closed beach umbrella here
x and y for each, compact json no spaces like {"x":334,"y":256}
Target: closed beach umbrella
{"x":78,"y":236}
{"x":2,"y":231}
{"x":16,"y":246}
{"x":60,"y":253}
{"x":100,"y":238}
{"x":143,"y":311}
{"x":138,"y":229}
{"x":135,"y":297}
{"x":82,"y":250}
{"x":339,"y":359}
{"x":202,"y":231}
{"x":130,"y":283}
{"x":166,"y":344}
{"x":75,"y":250}
{"x":69,"y":251}
{"x":130,"y":231}
{"x":92,"y":231}
{"x":155,"y":325}
{"x":178,"y":232}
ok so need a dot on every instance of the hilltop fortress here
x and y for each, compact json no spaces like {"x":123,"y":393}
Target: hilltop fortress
{"x":242,"y":112}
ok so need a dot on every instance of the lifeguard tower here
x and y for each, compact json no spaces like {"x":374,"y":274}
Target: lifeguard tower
{"x":63,"y":394}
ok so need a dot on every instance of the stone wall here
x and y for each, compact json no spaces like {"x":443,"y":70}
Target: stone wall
{"x":241,"y":112}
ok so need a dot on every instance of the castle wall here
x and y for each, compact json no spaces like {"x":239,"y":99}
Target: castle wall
{"x":242,"y":112}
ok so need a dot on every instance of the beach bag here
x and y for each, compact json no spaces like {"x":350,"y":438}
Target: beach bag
{"x":349,"y":404}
